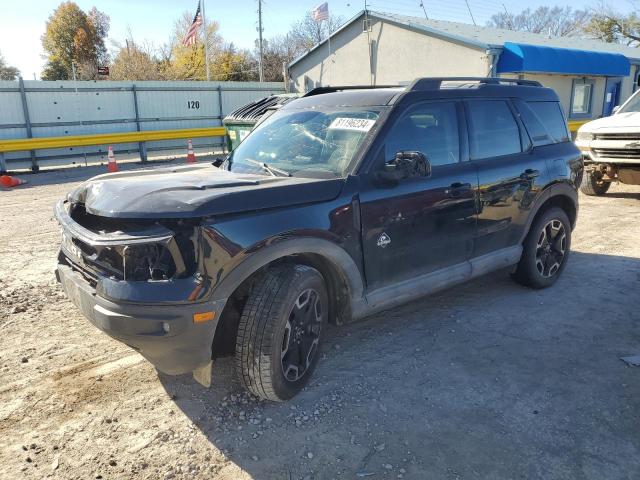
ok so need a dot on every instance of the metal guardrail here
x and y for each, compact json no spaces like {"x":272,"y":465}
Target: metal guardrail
{"x":31,"y":144}
{"x":574,"y":125}
{"x":25,"y":144}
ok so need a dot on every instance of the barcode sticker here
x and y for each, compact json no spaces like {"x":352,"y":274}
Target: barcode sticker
{"x":357,"y":124}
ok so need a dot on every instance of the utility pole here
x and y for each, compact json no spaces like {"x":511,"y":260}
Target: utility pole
{"x":260,"y":59}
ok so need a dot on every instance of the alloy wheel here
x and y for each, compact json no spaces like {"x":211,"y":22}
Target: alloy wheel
{"x":302,"y":335}
{"x":550,"y":249}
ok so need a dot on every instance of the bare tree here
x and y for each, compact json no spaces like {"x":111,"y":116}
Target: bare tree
{"x":135,"y":62}
{"x":280,"y":50}
{"x":307,"y":33}
{"x":303,"y":35}
{"x":554,"y":21}
{"x":613,"y":27}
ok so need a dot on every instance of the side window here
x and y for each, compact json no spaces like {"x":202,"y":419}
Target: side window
{"x":430,"y":128}
{"x":551,"y":117}
{"x":493,"y":130}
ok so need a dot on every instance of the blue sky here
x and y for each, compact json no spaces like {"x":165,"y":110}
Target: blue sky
{"x":22,"y":22}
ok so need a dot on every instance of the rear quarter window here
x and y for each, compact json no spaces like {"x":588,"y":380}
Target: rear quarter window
{"x":544,"y":121}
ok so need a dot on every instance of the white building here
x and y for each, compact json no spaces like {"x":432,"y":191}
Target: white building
{"x":590,"y":77}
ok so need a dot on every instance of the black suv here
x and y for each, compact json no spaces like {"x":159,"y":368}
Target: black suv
{"x":344,"y":202}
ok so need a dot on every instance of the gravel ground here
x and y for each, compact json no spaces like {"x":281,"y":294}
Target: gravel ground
{"x":488,"y":380}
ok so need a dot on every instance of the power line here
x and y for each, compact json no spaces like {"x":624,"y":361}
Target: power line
{"x":424,"y":10}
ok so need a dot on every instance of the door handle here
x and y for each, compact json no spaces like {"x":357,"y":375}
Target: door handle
{"x":529,"y":174}
{"x":457,"y":189}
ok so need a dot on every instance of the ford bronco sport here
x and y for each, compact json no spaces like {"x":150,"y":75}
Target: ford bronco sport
{"x":611,"y":148}
{"x":345,"y":202}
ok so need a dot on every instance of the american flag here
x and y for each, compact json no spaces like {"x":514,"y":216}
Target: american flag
{"x":321,"y":12}
{"x":190,"y":37}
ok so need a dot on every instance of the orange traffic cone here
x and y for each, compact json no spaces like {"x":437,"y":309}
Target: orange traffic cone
{"x":112,"y":166}
{"x":7,"y":181}
{"x":191,"y":157}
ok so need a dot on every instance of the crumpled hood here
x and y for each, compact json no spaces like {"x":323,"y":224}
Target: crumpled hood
{"x":195,"y":191}
{"x":628,"y":122}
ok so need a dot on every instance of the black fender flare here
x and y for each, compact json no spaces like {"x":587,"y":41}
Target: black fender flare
{"x":333,"y":253}
{"x":563,"y":189}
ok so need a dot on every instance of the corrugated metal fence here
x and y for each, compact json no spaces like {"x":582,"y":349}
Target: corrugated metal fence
{"x":65,"y":108}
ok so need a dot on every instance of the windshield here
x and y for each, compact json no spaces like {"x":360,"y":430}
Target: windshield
{"x":303,"y":143}
{"x":632,"y":105}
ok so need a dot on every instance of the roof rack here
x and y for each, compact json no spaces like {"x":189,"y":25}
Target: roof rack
{"x":427,"y":83}
{"x":435,"y":83}
{"x":329,"y":89}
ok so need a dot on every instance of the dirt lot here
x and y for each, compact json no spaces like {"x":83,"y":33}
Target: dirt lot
{"x":489,"y":380}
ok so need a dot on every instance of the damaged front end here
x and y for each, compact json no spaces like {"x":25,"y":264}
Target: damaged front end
{"x":140,"y":282}
{"x":124,"y":249}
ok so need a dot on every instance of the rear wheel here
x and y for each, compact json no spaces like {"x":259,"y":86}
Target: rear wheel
{"x":280,"y":331}
{"x":545,"y":250}
{"x":593,"y":184}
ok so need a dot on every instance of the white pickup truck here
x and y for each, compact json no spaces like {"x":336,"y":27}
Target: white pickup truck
{"x":610,"y":147}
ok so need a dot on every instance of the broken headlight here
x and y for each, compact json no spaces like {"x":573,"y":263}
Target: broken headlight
{"x":147,"y":262}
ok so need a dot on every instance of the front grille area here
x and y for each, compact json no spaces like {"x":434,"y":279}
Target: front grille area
{"x":630,"y":136}
{"x":628,"y":153}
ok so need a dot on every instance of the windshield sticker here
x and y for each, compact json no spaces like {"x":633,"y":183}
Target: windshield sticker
{"x":357,"y":124}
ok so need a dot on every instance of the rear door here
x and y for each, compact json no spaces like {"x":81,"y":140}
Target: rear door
{"x":421,"y":224}
{"x":510,"y":174}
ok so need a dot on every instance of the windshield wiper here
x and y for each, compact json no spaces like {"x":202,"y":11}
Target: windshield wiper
{"x":272,"y":170}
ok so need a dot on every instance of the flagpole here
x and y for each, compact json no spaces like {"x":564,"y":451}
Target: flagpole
{"x":329,"y":41}
{"x":206,"y":40}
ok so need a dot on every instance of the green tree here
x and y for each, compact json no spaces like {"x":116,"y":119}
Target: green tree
{"x":7,"y":72}
{"x":73,"y":36}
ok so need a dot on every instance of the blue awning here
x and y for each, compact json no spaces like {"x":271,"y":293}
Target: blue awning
{"x":520,"y":58}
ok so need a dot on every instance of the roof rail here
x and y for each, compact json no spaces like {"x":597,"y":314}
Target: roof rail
{"x":434,"y":83}
{"x":329,"y":89}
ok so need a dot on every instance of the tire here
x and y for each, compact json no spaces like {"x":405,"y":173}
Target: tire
{"x":545,"y":250}
{"x":593,"y":185}
{"x":284,"y":316}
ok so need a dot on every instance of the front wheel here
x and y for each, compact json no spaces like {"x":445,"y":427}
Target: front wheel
{"x":545,"y":250}
{"x":280,"y":331}
{"x":593,"y":184}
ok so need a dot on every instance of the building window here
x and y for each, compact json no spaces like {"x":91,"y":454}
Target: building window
{"x":581,"y":97}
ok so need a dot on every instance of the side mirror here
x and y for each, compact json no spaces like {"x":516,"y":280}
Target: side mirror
{"x":408,"y":165}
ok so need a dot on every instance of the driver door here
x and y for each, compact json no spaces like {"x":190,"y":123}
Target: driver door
{"x":421,"y":224}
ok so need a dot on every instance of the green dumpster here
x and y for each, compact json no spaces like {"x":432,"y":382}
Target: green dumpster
{"x":242,"y":120}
